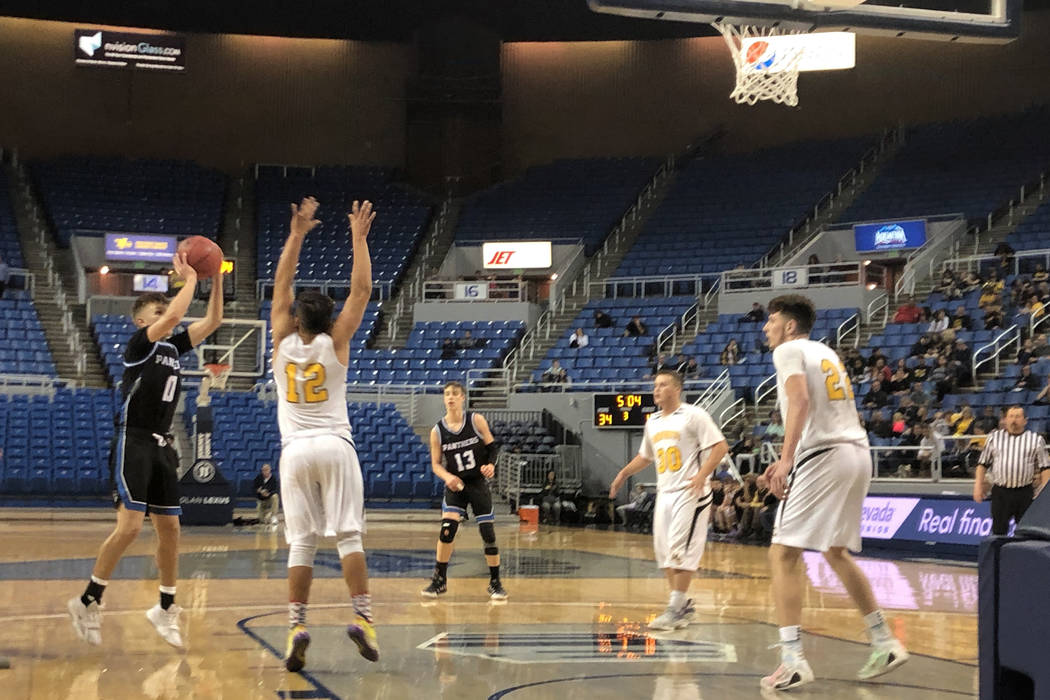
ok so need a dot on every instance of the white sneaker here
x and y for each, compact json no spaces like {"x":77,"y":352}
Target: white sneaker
{"x":884,"y":658}
{"x":166,"y":623}
{"x":787,"y":676}
{"x":87,"y":620}
{"x":672,"y":619}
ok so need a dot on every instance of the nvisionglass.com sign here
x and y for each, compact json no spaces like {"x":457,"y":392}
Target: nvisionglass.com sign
{"x":100,"y":47}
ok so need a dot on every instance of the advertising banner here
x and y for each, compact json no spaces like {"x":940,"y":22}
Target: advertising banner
{"x":890,"y":235}
{"x":123,"y":246}
{"x":101,"y":47}
{"x":933,"y":520}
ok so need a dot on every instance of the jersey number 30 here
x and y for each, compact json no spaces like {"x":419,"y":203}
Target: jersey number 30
{"x":313,"y":383}
{"x":838,"y":385}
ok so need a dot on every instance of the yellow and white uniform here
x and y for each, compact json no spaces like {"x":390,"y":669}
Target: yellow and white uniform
{"x":679,"y":442}
{"x":321,"y":484}
{"x":832,"y":468}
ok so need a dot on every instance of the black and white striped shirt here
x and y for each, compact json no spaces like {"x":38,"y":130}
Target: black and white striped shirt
{"x":1013,"y":460}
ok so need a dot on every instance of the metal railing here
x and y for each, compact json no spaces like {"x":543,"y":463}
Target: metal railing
{"x":380,"y":288}
{"x":1008,"y":210}
{"x":519,"y":473}
{"x":804,"y":231}
{"x":879,"y":304}
{"x":27,"y":277}
{"x":635,"y":385}
{"x":927,"y":260}
{"x":766,"y":387}
{"x":495,"y":291}
{"x":34,"y":384}
{"x":654,"y":285}
{"x":822,"y":275}
{"x":731,"y":412}
{"x":972,"y":263}
{"x":993,"y":350}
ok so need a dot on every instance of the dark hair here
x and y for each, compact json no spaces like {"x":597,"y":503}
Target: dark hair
{"x":795,"y":307}
{"x":314,"y":311}
{"x":454,"y":385}
{"x":677,"y":378}
{"x":147,"y":299}
{"x":1012,"y":407}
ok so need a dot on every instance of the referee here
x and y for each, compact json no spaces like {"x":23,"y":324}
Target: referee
{"x":1011,"y":456}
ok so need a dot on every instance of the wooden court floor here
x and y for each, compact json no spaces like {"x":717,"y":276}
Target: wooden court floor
{"x":574,"y":623}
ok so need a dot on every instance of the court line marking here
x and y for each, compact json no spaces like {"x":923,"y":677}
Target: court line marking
{"x":319,"y":687}
{"x":507,"y":691}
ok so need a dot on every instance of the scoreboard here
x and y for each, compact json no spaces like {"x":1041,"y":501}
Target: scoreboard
{"x":622,"y":410}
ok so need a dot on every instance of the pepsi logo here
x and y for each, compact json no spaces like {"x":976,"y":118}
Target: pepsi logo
{"x":760,"y":56}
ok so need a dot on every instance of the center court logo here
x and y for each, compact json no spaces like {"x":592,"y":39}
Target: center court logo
{"x":90,"y":43}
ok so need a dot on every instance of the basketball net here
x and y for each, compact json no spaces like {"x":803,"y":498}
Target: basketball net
{"x":764,"y":74}
{"x":214,"y":378}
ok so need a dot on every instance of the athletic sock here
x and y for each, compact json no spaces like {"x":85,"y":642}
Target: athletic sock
{"x":441,"y":569}
{"x":790,"y":645}
{"x":296,"y":614}
{"x":93,"y":593}
{"x":167,"y":596}
{"x":677,"y":601}
{"x":362,"y":605}
{"x":878,"y":630}
{"x":494,"y":572}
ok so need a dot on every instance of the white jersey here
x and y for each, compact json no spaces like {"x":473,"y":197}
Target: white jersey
{"x":678,"y":442}
{"x":312,"y":386}
{"x":832,"y":418}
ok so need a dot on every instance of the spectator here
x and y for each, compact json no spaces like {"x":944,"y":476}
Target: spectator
{"x":5,"y":276}
{"x":939,"y":322}
{"x":876,"y":355}
{"x":602,"y":319}
{"x":467,"y":342}
{"x":680,"y":364}
{"x":448,"y":349}
{"x":991,"y":289}
{"x":730,"y":353}
{"x":960,"y":321}
{"x":962,"y":422}
{"x":883,"y":373}
{"x":930,"y":446}
{"x":767,"y":512}
{"x":1042,"y":398}
{"x":745,"y":451}
{"x":635,"y":328}
{"x":775,"y":429}
{"x":267,"y":500}
{"x":661,"y":364}
{"x":988,"y":420}
{"x":555,"y":374}
{"x":756,"y":315}
{"x":918,"y":396}
{"x":550,"y":500}
{"x":908,"y":312}
{"x":901,"y":379}
{"x":638,"y":497}
{"x":1026,"y":381}
{"x":940,"y":424}
{"x":993,"y":317}
{"x":725,"y":515}
{"x":1040,"y":347}
{"x":692,"y":369}
{"x":879,"y":425}
{"x":899,"y":424}
{"x":579,"y":339}
{"x":876,"y":397}
{"x":909,"y":409}
{"x":1025,"y":354}
{"x":962,"y":362}
{"x":971,"y":283}
{"x":946,"y":287}
{"x":855,"y":364}
{"x":1040,"y":274}
{"x":920,"y":371}
{"x":943,"y":378}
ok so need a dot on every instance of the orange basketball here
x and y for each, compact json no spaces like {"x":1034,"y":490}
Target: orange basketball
{"x":203,"y":254}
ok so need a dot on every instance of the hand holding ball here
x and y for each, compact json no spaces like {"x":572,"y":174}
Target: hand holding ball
{"x":203,"y":255}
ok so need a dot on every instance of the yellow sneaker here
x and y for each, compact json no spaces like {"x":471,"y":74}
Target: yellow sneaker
{"x":363,"y":633}
{"x":295,"y":657}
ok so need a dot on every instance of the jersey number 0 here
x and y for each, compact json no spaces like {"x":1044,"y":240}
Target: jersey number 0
{"x":313,"y":383}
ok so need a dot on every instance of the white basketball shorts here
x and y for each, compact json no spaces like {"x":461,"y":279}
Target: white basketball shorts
{"x":826,"y":491}
{"x":680,"y":529}
{"x":321,"y":488}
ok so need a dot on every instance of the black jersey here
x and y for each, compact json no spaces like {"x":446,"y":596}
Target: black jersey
{"x":463,"y":452}
{"x":152,"y":380}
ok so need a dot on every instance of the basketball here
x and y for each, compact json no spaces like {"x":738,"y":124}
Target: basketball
{"x":203,"y":254}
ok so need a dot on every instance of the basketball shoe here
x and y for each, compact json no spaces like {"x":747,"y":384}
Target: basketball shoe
{"x":884,"y":658}
{"x":496,"y":591}
{"x":788,"y":675}
{"x":672,"y":619}
{"x":438,"y":586}
{"x":166,"y":622}
{"x":87,"y":620}
{"x":363,"y":634}
{"x":295,"y":656}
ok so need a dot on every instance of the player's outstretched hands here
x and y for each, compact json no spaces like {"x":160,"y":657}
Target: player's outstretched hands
{"x":488,"y":470}
{"x":182,"y":268}
{"x":454,"y":484}
{"x":361,"y":217}
{"x":778,"y":475}
{"x":303,"y":220}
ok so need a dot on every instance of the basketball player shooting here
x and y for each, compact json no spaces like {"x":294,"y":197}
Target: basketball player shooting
{"x":687,"y":446}
{"x":463,"y":455}
{"x":143,"y":463}
{"x":822,"y":477}
{"x":320,"y":474}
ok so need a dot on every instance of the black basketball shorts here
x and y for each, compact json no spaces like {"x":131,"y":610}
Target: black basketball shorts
{"x":476,"y":494}
{"x":144,"y":470}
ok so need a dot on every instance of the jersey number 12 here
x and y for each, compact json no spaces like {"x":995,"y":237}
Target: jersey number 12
{"x":313,"y":383}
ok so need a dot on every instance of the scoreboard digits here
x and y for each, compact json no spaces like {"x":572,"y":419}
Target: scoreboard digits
{"x":622,"y":410}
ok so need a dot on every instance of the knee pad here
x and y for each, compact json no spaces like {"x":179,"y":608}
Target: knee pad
{"x":448,"y":530}
{"x":488,"y":534}
{"x":349,"y":543}
{"x":301,"y":553}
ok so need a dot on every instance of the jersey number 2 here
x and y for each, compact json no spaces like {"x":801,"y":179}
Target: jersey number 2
{"x":313,"y":383}
{"x":669,"y":460}
{"x":838,"y":385}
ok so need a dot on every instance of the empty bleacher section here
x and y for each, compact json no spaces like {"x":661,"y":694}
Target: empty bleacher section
{"x":732,"y":209}
{"x":1032,"y":234}
{"x":972,"y":166}
{"x":564,"y":199}
{"x":91,"y":194}
{"x":56,"y":445}
{"x":23,"y":348}
{"x":609,"y":356}
{"x":10,"y":248}
{"x":112,"y":332}
{"x":400,"y":221}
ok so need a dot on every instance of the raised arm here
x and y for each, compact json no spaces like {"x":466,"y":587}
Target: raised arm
{"x":302,"y":223}
{"x":199,"y":330}
{"x":178,"y":306}
{"x":346,"y":324}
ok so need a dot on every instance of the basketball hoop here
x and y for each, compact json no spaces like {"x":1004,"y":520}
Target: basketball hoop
{"x":218,"y":374}
{"x":764,"y":70}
